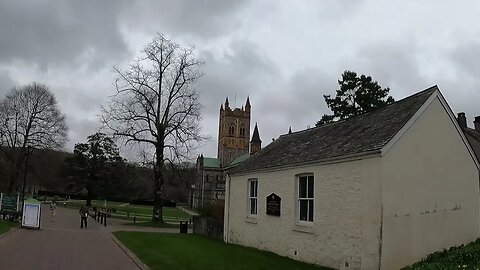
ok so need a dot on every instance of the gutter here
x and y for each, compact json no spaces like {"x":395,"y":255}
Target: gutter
{"x":203,"y":184}
{"x":339,"y":159}
{"x":226,"y":222}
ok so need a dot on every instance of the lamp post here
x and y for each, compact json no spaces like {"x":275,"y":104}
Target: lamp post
{"x":192,"y":190}
{"x":25,"y":176}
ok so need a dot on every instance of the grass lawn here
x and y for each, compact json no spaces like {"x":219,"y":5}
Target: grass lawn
{"x":462,"y":257}
{"x":176,"y":251}
{"x":5,"y":226}
{"x":151,"y":224}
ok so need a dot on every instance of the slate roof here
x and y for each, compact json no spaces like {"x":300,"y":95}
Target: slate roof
{"x":473,"y":137}
{"x":360,"y":134}
{"x":473,"y":133}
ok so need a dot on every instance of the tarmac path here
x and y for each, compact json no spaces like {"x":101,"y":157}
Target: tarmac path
{"x":61,"y":244}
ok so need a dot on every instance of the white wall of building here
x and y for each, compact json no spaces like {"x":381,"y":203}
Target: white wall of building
{"x":346,"y":225}
{"x":380,"y":212}
{"x":430,"y":191}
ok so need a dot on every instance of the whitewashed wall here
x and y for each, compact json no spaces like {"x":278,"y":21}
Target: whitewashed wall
{"x":346,"y":221}
{"x":430,"y":191}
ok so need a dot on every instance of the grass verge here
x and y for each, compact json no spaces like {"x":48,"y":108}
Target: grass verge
{"x":176,"y":251}
{"x":152,"y":224}
{"x":5,"y":226}
{"x":461,"y":257}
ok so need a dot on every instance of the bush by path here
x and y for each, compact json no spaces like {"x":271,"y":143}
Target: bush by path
{"x":462,"y":257}
{"x":5,"y":226}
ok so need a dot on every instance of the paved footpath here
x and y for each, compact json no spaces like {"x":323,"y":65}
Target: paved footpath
{"x":63,"y":245}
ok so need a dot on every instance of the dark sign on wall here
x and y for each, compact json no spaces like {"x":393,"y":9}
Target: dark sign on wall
{"x":273,"y":205}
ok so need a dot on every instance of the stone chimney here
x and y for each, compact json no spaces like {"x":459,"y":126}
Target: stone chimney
{"x":462,"y":120}
{"x":477,"y":123}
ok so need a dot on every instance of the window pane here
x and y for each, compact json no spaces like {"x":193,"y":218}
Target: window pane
{"x":303,"y":210}
{"x":255,"y":204}
{"x":310,"y":210}
{"x":252,"y":206}
{"x":255,"y":184}
{"x":302,"y":187}
{"x":252,"y":189}
{"x":310,"y":187}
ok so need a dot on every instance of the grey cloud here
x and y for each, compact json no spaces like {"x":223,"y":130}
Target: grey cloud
{"x":243,"y":71}
{"x":338,"y":9}
{"x":80,"y":129}
{"x":393,"y":65}
{"x":203,"y":19}
{"x":467,"y":58}
{"x":65,"y":32}
{"x":6,"y":83}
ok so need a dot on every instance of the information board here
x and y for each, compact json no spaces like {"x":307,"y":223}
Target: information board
{"x":9,"y":203}
{"x":274,"y":203}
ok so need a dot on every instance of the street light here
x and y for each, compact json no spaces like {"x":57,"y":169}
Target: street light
{"x":25,"y":176}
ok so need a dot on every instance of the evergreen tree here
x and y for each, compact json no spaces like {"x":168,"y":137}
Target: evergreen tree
{"x":98,"y":167}
{"x":356,"y":95}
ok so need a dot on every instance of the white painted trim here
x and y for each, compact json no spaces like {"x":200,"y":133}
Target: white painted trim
{"x":410,"y":122}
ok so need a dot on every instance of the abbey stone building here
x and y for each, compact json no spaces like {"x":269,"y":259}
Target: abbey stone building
{"x":234,"y":147}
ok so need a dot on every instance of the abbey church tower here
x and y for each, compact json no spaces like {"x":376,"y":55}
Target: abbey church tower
{"x":233,"y":132}
{"x":234,"y":147}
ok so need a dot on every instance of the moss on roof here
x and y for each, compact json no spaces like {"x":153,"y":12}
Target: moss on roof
{"x":239,"y":159}
{"x":211,"y":162}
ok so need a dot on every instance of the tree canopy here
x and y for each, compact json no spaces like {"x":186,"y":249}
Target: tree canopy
{"x":30,"y":118}
{"x":157,"y":106}
{"x":356,"y":95}
{"x":98,"y":167}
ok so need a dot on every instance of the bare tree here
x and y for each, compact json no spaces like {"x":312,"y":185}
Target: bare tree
{"x":29,"y":119}
{"x":157,"y":105}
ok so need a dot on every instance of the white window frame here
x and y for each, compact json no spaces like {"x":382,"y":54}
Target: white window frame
{"x":307,"y":198}
{"x":252,"y":197}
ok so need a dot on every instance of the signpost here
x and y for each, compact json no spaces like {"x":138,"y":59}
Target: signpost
{"x":9,"y":203}
{"x":274,"y":203}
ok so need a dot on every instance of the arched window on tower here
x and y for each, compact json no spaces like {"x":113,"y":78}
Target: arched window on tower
{"x":242,"y":131}
{"x":231,"y":129}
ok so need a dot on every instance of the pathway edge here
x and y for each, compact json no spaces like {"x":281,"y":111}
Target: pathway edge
{"x":130,"y":254}
{"x":12,"y":230}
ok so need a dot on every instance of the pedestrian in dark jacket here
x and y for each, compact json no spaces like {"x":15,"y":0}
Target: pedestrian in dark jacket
{"x":83,"y":215}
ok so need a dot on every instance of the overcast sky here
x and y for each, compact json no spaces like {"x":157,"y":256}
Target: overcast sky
{"x":284,"y":54}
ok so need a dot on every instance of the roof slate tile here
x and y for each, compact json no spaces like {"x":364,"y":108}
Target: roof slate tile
{"x":359,"y":134}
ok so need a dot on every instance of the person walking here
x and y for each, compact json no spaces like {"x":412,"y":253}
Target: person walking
{"x":83,"y":215}
{"x":53,"y":207}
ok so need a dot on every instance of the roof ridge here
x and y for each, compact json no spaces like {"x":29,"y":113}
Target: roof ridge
{"x":434,"y":87}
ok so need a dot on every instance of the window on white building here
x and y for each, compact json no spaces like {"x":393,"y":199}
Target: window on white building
{"x":252,"y":197}
{"x":305,"y":198}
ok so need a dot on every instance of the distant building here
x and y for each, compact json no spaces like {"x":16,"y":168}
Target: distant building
{"x":473,"y":135}
{"x":381,"y":190}
{"x":234,"y":146}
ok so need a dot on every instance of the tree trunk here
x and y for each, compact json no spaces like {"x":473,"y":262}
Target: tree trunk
{"x":157,"y":215}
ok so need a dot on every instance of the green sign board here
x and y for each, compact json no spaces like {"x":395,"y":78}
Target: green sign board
{"x":9,"y":203}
